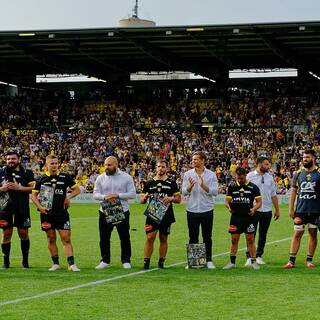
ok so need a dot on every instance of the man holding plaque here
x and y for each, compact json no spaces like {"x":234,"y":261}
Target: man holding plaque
{"x":114,"y":188}
{"x":243,"y":201}
{"x":160,"y":192}
{"x":16,"y":183}
{"x":51,"y":198}
{"x":200,"y":185}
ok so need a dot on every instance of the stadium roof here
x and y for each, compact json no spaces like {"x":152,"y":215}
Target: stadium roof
{"x":114,"y":53}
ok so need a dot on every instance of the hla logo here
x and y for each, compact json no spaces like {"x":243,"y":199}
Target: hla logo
{"x":58,"y":191}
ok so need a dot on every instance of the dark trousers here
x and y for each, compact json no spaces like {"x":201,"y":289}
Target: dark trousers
{"x":105,"y":230}
{"x":205,"y":220}
{"x":262,"y":220}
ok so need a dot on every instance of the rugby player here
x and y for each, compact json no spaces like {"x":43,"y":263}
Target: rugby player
{"x":306,"y":189}
{"x":160,"y":188}
{"x":16,"y":184}
{"x":57,"y":217}
{"x":240,"y":199}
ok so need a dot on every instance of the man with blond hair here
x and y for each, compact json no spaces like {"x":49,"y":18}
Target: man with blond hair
{"x":52,"y":201}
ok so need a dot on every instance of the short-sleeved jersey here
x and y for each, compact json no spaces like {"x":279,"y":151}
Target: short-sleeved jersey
{"x":242,"y":197}
{"x":60,"y":182}
{"x":162,"y":188}
{"x":307,"y":184}
{"x":19,"y":201}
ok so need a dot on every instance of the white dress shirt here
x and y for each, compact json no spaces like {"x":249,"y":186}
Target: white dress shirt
{"x":199,"y":200}
{"x":120,"y":183}
{"x":267,"y":188}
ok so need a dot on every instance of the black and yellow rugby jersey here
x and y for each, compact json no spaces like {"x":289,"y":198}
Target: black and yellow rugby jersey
{"x":19,"y":201}
{"x":242,"y":197}
{"x":160,"y":189}
{"x":60,"y":182}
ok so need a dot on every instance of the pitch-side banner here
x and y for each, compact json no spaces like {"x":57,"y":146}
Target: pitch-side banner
{"x":88,"y":198}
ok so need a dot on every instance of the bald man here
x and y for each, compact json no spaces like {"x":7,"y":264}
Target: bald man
{"x":113,"y":189}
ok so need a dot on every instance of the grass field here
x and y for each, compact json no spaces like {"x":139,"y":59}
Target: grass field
{"x":173,"y":293}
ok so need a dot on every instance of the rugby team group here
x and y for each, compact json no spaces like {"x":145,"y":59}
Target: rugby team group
{"x":250,"y":199}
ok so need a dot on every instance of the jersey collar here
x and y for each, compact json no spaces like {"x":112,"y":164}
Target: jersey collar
{"x":246,"y":183}
{"x":49,"y":175}
{"x":166,"y":178}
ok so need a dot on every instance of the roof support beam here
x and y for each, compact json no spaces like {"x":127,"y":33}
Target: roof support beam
{"x":287,"y":55}
{"x":58,"y":64}
{"x":170,"y":61}
{"x":223,"y":60}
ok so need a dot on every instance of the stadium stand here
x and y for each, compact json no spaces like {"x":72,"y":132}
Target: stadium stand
{"x":233,"y":130}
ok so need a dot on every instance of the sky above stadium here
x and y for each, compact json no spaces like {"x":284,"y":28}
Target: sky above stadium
{"x":70,"y":14}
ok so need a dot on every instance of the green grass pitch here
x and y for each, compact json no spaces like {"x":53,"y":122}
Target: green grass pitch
{"x":173,"y":293}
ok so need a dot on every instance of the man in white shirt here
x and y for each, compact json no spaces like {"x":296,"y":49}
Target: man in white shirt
{"x":267,"y":186}
{"x":200,"y":185}
{"x":114,"y":188}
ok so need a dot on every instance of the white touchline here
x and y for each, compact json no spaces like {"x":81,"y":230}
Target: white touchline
{"x":98,"y":282}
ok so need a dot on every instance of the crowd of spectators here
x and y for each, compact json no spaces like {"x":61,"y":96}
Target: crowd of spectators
{"x":233,"y":130}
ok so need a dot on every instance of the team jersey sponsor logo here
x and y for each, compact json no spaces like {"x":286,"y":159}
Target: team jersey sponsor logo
{"x":148,"y":227}
{"x":307,"y":197}
{"x":233,"y":228}
{"x":307,"y":186}
{"x":166,"y":187}
{"x":297,"y":220}
{"x":241,"y":200}
{"x":46,"y":225}
{"x":3,"y":223}
{"x":58,"y":191}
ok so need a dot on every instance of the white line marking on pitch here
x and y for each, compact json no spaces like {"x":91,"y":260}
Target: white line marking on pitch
{"x":98,"y":282}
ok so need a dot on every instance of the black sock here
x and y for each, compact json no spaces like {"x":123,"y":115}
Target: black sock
{"x":6,"y":247}
{"x":25,"y":246}
{"x":233,"y":259}
{"x":146,"y":263}
{"x":292,"y":258}
{"x":55,"y":259}
{"x":161,"y":263}
{"x":309,"y":258}
{"x":70,"y":260}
